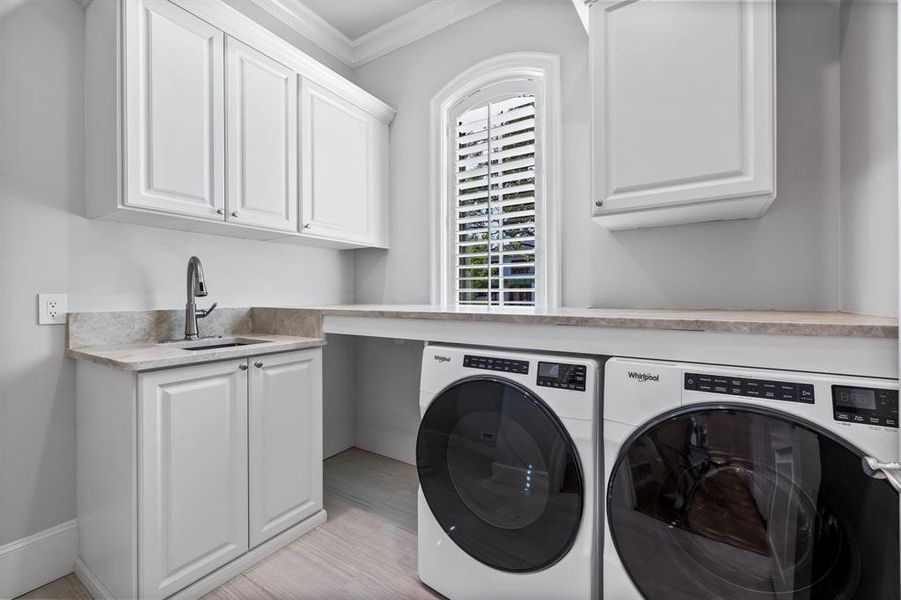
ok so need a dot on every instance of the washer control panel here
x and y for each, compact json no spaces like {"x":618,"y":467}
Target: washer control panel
{"x":752,"y":388}
{"x":493,"y":363}
{"x":561,"y":375}
{"x":866,"y":406}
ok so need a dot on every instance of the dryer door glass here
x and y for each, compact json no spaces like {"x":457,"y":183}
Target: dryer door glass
{"x":500,"y":474}
{"x":746,"y":503}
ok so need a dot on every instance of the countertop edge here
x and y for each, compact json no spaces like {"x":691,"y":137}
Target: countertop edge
{"x":100,"y":354}
{"x":777,"y":327}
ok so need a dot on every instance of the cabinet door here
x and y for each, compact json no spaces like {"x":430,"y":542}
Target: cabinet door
{"x":262,"y":139}
{"x":174,"y":106}
{"x":192,"y":474}
{"x":341,"y":156}
{"x":285,"y":441}
{"x":684,"y":111}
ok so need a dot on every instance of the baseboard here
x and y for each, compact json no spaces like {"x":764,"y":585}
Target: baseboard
{"x":38,"y":559}
{"x":330,"y":452}
{"x":94,"y":586}
{"x":400,"y":446}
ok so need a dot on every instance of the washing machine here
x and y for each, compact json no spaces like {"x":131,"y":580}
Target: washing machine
{"x":745,"y":484}
{"x":506,"y":457}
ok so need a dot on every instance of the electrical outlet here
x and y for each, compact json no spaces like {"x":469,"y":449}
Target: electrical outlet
{"x":52,"y":309}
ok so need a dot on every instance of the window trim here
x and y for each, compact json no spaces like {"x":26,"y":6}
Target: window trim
{"x":542,"y":71}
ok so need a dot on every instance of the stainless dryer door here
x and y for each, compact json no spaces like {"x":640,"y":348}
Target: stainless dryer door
{"x":737,"y":502}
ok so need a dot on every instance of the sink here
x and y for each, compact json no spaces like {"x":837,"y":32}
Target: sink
{"x":213,"y":343}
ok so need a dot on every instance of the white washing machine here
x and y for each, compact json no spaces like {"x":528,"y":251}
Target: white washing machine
{"x":506,"y":456}
{"x":747,"y":484}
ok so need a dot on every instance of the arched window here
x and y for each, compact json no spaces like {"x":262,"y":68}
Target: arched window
{"x":495,"y":156}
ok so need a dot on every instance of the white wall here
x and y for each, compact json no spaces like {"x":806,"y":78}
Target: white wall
{"x":869,"y":269}
{"x":787,"y":259}
{"x":339,"y":389}
{"x":46,"y":245}
{"x":386,"y":416}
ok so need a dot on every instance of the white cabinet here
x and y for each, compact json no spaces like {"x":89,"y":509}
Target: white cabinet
{"x":192,"y":486}
{"x":193,"y":121}
{"x":683,"y":111}
{"x":285,"y":442}
{"x":174,"y":99}
{"x":188,"y":476}
{"x":262,"y":139}
{"x":344,"y":158}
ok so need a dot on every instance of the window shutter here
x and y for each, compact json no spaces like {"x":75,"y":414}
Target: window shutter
{"x":494,"y":212}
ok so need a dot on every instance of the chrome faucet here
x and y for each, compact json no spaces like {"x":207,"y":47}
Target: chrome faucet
{"x":196,"y":287}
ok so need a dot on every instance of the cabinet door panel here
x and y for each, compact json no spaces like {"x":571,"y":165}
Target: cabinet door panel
{"x":683,"y":106}
{"x":701,"y":107}
{"x":339,"y":149}
{"x":192,"y":485}
{"x":174,"y":107}
{"x":285,"y":441}
{"x":262,"y":140}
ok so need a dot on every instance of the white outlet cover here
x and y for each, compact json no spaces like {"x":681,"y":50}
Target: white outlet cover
{"x":52,"y":309}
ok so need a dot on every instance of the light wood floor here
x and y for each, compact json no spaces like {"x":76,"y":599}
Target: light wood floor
{"x":366,"y":549}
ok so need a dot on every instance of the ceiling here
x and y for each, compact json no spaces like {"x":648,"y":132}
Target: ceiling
{"x":358,"y":31}
{"x":355,"y":18}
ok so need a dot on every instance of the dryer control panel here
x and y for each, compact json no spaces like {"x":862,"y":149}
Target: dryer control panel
{"x":491,"y":363}
{"x":867,"y":406}
{"x":788,"y":391}
{"x":561,"y":375}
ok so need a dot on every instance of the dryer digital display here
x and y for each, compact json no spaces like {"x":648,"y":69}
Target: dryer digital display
{"x":561,"y":375}
{"x":855,"y":398}
{"x":867,"y":406}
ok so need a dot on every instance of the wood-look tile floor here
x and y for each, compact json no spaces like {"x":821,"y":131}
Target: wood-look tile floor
{"x":366,"y":549}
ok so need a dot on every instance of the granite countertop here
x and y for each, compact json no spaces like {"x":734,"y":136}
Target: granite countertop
{"x":129,"y":340}
{"x":147,"y":356}
{"x":745,"y":321}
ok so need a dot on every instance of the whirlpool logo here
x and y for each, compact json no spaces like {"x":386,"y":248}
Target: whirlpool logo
{"x":441,"y":359}
{"x":644,"y":377}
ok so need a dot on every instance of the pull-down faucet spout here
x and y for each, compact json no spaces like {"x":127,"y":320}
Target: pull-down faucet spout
{"x":196,"y":286}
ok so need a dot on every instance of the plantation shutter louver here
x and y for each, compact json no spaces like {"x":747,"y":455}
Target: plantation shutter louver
{"x":494,"y":212}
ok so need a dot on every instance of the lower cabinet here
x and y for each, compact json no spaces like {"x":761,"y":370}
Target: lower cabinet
{"x":285,"y":442}
{"x":225,"y":457}
{"x":192,"y":469}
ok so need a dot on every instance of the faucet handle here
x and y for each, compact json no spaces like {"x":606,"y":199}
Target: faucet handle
{"x":201,"y":313}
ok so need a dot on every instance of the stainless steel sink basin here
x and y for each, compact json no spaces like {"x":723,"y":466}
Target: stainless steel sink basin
{"x":213,"y":343}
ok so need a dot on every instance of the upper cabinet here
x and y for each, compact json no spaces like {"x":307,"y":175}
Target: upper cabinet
{"x":345,"y":159}
{"x":683,"y":111}
{"x":261,"y":143}
{"x":195,"y":121}
{"x":174,"y":79}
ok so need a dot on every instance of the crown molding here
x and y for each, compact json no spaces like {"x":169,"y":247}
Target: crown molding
{"x":302,"y":19}
{"x":407,"y":28}
{"x":582,"y":8}
{"x":413,"y":26}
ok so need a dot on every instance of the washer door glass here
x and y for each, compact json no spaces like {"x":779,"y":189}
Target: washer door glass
{"x":744,"y":503}
{"x":500,"y":474}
